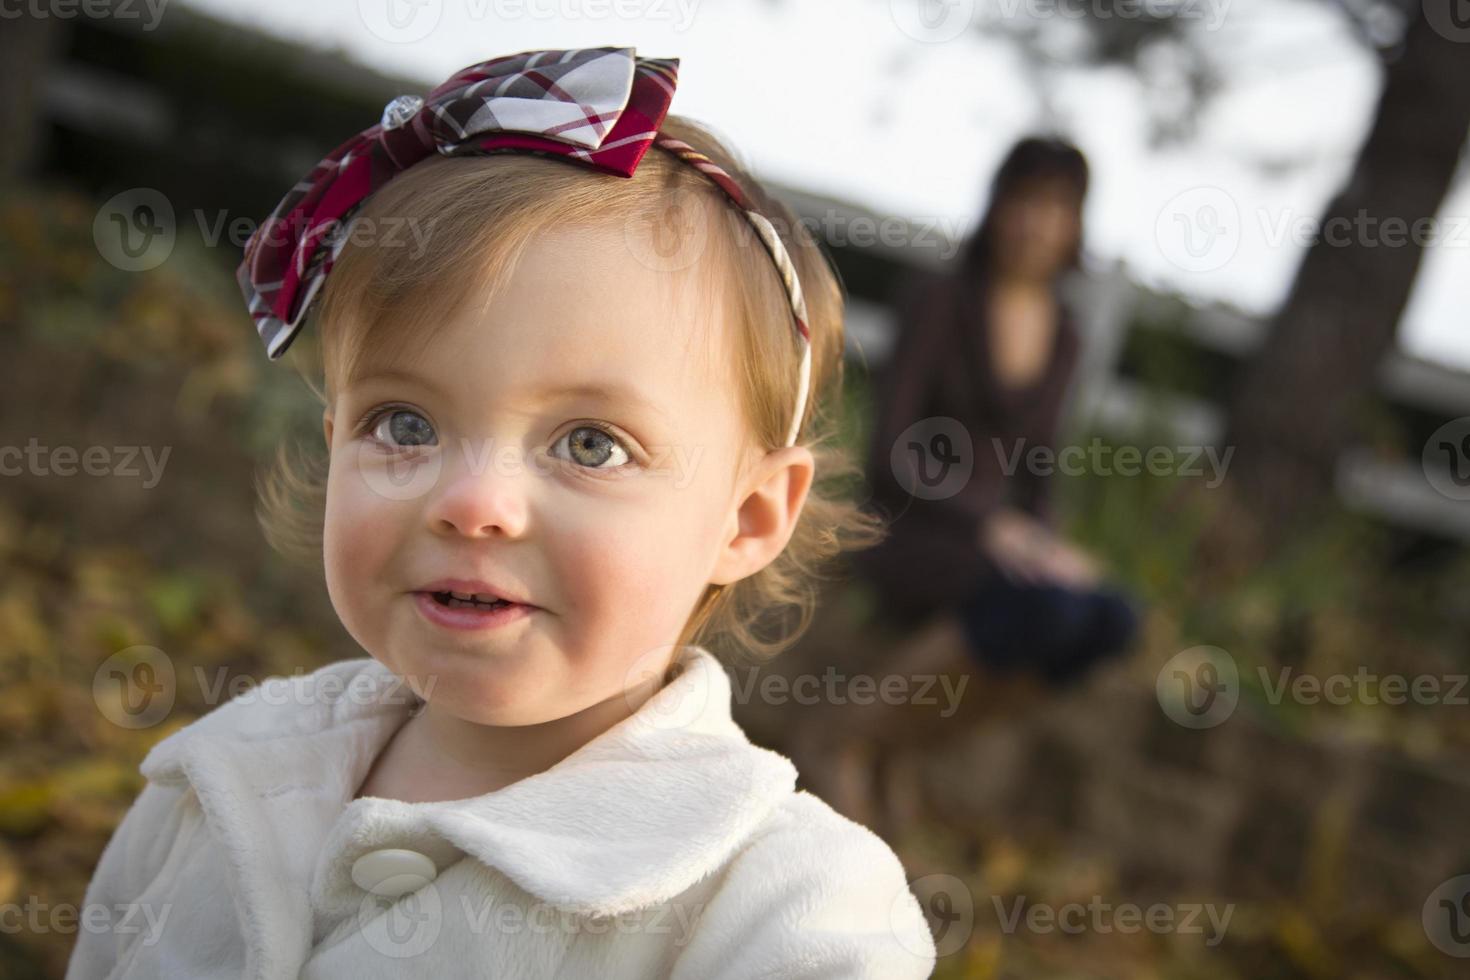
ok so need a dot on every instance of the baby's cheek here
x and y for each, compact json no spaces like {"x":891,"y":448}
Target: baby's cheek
{"x":629,"y":580}
{"x":357,"y":542}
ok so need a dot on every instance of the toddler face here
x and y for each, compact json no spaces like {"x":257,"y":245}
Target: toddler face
{"x":574,"y":446}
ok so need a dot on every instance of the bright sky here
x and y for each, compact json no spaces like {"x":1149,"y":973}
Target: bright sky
{"x":894,"y":106}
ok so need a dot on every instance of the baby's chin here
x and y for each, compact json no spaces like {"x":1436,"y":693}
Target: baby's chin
{"x":502,"y":688}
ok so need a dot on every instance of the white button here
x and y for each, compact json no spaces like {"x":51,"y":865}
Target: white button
{"x":393,"y":871}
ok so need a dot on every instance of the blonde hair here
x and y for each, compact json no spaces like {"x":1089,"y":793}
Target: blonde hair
{"x":379,"y":300}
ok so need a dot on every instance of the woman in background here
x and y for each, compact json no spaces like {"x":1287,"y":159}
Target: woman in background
{"x":977,"y":572}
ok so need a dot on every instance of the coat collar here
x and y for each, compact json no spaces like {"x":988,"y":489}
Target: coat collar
{"x":631,"y":819}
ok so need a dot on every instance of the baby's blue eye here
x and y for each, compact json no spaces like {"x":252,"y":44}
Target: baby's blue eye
{"x":591,"y":446}
{"x":404,"y":427}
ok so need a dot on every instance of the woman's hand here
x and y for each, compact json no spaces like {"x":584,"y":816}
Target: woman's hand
{"x":1025,"y":550}
{"x":1072,"y":566}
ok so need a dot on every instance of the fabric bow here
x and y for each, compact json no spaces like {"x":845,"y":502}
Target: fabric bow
{"x":601,"y":107}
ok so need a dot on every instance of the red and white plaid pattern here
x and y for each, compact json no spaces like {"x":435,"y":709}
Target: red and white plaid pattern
{"x":601,"y":107}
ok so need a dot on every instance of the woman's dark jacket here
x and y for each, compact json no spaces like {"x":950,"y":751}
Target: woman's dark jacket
{"x":941,"y":366}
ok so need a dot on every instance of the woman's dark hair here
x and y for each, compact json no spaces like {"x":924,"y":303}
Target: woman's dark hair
{"x":1032,"y":159}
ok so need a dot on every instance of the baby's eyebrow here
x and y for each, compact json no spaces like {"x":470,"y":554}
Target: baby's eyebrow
{"x":610,"y":392}
{"x":392,"y":374}
{"x":606,"y":391}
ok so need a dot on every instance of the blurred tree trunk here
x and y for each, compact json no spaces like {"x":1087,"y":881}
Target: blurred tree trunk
{"x":28,"y":45}
{"x":1293,"y":409}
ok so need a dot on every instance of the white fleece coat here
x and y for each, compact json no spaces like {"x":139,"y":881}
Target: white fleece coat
{"x":668,"y":846}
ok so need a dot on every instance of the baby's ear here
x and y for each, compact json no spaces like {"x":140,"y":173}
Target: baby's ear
{"x":767,"y":509}
{"x":327,"y":428}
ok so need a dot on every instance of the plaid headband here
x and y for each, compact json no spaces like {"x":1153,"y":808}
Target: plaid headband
{"x":599,"y":107}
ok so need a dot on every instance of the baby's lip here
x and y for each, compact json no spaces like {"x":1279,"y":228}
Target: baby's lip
{"x":476,"y":587}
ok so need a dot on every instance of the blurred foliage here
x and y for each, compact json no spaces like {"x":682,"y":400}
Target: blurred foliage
{"x":90,"y":566}
{"x":1339,"y":595}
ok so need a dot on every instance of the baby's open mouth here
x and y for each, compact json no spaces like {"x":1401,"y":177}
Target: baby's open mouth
{"x":459,"y":600}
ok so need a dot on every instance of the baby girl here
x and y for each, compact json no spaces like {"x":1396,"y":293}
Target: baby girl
{"x":576,"y":386}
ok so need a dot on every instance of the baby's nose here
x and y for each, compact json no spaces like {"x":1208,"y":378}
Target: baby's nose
{"x":478,"y":497}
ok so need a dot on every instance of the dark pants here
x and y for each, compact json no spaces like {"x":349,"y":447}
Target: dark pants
{"x":1056,"y":632}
